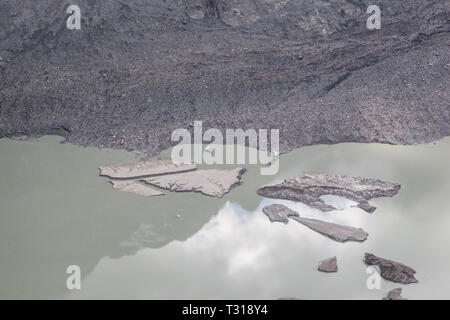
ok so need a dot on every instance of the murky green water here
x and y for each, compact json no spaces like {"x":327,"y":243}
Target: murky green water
{"x":56,"y":211}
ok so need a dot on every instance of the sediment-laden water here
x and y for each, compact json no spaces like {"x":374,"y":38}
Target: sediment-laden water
{"x":56,"y":211}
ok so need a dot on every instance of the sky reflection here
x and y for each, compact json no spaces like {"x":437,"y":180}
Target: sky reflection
{"x":56,"y":211}
{"x":237,"y":254}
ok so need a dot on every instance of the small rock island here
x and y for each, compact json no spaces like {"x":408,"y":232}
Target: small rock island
{"x":310,"y":187}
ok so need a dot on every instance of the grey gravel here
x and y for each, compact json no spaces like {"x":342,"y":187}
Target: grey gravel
{"x":137,"y":70}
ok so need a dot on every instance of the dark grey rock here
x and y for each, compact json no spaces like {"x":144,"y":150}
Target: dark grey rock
{"x":391,"y":270}
{"x":309,"y":188}
{"x":328,"y":265}
{"x":333,"y":231}
{"x":278,"y":213}
{"x":395,"y":294}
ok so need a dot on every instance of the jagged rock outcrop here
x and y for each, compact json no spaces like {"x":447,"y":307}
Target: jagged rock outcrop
{"x":310,"y":187}
{"x":136,"y":188}
{"x":279,"y":212}
{"x":328,"y":265}
{"x":144,"y":169}
{"x":391,"y":270}
{"x":395,"y":294}
{"x":214,"y":183}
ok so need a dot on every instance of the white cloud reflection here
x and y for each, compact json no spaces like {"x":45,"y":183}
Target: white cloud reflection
{"x":237,"y":254}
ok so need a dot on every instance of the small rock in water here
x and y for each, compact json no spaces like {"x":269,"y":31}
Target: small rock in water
{"x":392,"y":270}
{"x":333,"y":231}
{"x":144,"y":168}
{"x":278,"y":213}
{"x":328,"y":265}
{"x":211,"y":182}
{"x":136,"y":188}
{"x":395,"y":294}
{"x":309,"y":188}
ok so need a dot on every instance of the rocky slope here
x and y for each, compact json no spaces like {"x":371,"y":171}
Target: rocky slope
{"x":139,"y":69}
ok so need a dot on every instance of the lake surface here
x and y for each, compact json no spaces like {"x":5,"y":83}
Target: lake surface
{"x":56,"y":211}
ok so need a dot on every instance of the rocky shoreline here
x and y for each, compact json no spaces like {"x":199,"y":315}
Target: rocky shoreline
{"x":138,"y":70}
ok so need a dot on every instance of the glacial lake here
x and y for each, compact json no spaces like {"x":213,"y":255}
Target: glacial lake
{"x":55,"y":211}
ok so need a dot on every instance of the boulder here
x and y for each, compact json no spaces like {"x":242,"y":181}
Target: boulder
{"x":310,"y":187}
{"x":395,"y":294}
{"x":328,"y":265}
{"x":278,"y":213}
{"x":214,"y":183}
{"x":391,"y":270}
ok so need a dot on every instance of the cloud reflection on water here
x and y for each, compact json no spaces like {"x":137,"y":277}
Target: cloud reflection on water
{"x":237,"y":254}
